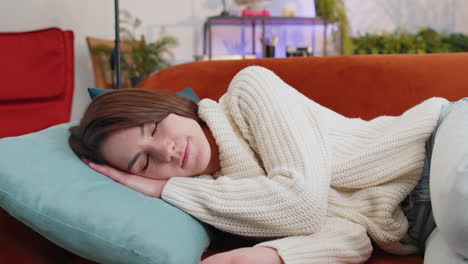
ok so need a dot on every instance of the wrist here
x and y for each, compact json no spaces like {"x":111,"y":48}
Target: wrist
{"x":159,"y":188}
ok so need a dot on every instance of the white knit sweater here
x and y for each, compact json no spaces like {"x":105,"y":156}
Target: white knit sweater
{"x":297,"y":172}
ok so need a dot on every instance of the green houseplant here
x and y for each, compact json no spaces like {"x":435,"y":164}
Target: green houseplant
{"x":143,"y":57}
{"x":426,"y":40}
{"x":333,"y":11}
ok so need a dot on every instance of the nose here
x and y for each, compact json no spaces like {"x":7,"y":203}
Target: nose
{"x":164,"y":150}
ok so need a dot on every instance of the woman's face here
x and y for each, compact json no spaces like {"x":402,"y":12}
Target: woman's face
{"x":175,"y":147}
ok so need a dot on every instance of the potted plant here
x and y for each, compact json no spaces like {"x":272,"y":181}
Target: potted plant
{"x":139,"y":58}
{"x":333,"y":11}
{"x":426,"y":40}
{"x":145,"y":57}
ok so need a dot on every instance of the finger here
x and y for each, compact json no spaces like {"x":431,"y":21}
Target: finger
{"x":146,"y":186}
{"x":220,"y":258}
{"x":138,"y":183}
{"x":108,"y":171}
{"x":85,"y":160}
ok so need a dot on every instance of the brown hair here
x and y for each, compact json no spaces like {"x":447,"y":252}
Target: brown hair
{"x":124,"y":108}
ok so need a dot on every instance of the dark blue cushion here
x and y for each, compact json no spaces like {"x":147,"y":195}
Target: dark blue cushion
{"x":187,"y":92}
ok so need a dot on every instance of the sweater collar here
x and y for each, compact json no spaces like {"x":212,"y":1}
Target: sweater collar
{"x":234,"y":152}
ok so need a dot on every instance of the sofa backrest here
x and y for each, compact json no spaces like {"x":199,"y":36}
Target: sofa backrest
{"x":37,"y":80}
{"x":363,"y":86}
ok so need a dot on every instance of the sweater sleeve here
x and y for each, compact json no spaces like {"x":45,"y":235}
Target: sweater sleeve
{"x":338,"y":241}
{"x":288,"y":197}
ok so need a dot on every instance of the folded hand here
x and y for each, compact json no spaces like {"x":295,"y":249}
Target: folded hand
{"x":248,"y":255}
{"x":146,"y":186}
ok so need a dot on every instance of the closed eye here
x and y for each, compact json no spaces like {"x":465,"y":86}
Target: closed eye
{"x":155,"y":125}
{"x":147,"y":163}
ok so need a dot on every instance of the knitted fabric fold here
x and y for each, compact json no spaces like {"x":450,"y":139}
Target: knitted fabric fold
{"x":338,"y":241}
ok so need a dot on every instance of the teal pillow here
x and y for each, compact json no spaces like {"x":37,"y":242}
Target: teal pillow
{"x":44,"y":185}
{"x":187,"y":92}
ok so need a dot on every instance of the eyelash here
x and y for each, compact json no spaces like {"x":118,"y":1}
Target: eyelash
{"x":147,"y":155}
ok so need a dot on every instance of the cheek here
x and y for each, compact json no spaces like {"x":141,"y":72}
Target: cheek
{"x":161,"y":172}
{"x":203,"y":151}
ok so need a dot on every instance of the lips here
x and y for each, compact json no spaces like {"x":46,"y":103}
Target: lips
{"x":186,"y":154}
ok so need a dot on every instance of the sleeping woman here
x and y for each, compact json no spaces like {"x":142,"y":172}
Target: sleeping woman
{"x":267,"y":162}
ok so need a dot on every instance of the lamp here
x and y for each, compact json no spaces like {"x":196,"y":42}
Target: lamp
{"x":115,"y":55}
{"x":117,"y":43}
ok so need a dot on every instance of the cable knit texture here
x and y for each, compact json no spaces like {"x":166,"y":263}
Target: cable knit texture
{"x":295,"y":170}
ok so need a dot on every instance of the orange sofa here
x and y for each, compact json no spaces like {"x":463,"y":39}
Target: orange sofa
{"x":363,"y":86}
{"x":355,"y":86}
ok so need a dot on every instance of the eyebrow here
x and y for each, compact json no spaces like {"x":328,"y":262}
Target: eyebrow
{"x":135,"y":158}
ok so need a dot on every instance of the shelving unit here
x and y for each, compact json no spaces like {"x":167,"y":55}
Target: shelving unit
{"x":253,"y":22}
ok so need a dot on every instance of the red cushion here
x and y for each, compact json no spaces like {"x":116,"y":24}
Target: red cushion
{"x":37,"y":73}
{"x":34,"y":64}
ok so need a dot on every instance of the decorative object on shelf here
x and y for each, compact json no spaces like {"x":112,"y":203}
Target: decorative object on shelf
{"x":333,"y":11}
{"x":249,"y":12}
{"x":298,"y":51}
{"x":269,"y":47}
{"x":143,"y":58}
{"x":290,"y":10}
{"x":254,"y":7}
{"x":224,"y":12}
{"x":268,"y":51}
{"x":224,"y":57}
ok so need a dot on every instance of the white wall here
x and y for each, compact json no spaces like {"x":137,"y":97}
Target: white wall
{"x":184,"y":20}
{"x":386,"y":15}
